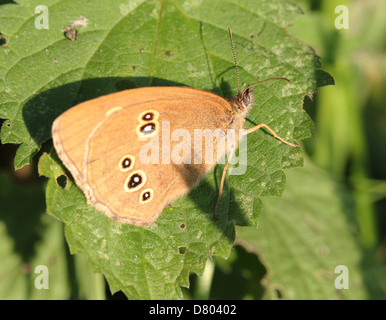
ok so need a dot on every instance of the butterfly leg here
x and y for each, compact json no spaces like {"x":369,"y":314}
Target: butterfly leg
{"x":263,"y":125}
{"x":222,"y":186}
{"x":259,"y":126}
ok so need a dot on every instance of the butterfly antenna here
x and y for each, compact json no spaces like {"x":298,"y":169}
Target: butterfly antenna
{"x":257,"y":83}
{"x":234,"y":58}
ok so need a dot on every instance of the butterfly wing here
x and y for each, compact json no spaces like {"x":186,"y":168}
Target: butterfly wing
{"x":106,"y":143}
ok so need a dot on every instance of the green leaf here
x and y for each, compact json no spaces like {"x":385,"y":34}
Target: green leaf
{"x":89,"y":285}
{"x":304,"y":236}
{"x":29,"y":239}
{"x":147,"y":43}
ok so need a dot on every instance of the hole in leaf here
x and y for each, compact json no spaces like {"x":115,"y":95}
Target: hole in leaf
{"x":3,"y":41}
{"x":61,"y":181}
{"x":71,"y":33}
{"x":279,"y":294}
{"x":182,"y":226}
{"x":182,"y":250}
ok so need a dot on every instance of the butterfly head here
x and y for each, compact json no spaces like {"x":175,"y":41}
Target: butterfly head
{"x":242,"y":102}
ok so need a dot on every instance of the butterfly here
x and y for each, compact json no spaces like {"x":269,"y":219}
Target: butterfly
{"x":105,"y":143}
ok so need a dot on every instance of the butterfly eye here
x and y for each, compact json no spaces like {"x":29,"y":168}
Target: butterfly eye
{"x":135,"y":181}
{"x":148,"y":128}
{"x":146,"y":195}
{"x":126,"y":163}
{"x":148,"y":116}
